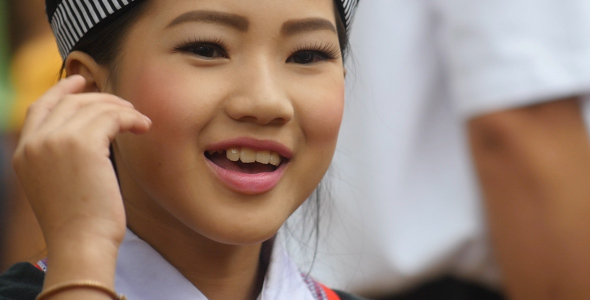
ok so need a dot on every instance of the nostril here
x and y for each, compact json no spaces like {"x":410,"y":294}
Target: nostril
{"x":260,"y":110}
{"x":263,"y":121}
{"x":250,"y":119}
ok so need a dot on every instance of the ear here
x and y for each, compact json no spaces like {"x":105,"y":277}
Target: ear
{"x":83,"y":64}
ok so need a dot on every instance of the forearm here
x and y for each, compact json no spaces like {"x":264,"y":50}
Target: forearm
{"x":534,"y":168}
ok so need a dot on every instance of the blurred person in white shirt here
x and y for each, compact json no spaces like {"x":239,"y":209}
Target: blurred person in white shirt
{"x":463,"y":161}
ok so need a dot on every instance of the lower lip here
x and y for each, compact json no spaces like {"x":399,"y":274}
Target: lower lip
{"x":245,"y":183}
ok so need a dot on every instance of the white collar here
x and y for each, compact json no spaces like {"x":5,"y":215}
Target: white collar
{"x":143,"y":274}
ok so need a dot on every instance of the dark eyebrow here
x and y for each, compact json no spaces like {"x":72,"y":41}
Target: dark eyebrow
{"x":305,"y":25}
{"x":235,"y":21}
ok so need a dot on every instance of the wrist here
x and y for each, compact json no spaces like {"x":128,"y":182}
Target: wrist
{"x":81,"y":259}
{"x":80,"y":289}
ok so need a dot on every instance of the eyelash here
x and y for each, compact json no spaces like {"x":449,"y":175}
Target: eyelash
{"x":190,"y":43}
{"x":325,"y":50}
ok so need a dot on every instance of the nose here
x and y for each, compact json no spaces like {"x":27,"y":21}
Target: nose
{"x":260,"y":96}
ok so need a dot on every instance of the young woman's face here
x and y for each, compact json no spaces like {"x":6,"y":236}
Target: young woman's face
{"x":246,"y":99}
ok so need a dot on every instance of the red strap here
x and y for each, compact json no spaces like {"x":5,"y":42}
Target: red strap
{"x":330,"y":293}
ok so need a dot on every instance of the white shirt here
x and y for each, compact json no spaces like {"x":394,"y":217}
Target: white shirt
{"x":142,"y":273}
{"x":406,"y":204}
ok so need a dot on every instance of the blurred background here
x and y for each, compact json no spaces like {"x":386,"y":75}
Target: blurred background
{"x":414,"y":176}
{"x":29,"y":65}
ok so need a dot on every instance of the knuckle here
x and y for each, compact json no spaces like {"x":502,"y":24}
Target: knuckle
{"x":112,"y":114}
{"x":28,"y":149}
{"x":113,"y":97}
{"x":73,"y":100}
{"x":34,"y":107}
{"x":18,"y":159}
{"x":107,"y":98}
{"x":118,"y":100}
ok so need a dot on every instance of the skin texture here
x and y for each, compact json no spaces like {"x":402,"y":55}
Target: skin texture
{"x":247,"y":83}
{"x":534,"y":167}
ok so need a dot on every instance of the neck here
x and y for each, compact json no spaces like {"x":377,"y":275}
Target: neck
{"x":218,"y":270}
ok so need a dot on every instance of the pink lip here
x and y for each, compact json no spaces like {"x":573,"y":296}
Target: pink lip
{"x":245,"y":183}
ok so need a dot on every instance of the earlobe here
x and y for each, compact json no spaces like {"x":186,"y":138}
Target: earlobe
{"x":83,"y":64}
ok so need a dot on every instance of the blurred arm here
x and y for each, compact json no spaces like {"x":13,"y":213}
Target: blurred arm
{"x":533,"y":164}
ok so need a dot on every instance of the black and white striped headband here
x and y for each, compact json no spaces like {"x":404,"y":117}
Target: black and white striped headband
{"x":71,"y":19}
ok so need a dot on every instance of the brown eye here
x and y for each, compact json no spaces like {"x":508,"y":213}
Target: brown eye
{"x":204,"y":50}
{"x":307,"y":57}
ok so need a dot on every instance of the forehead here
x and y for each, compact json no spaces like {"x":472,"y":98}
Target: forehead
{"x":254,"y":12}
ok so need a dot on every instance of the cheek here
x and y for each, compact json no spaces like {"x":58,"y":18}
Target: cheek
{"x":176,"y":100}
{"x":158,"y":94}
{"x":177,"y":112}
{"x":322,"y":113}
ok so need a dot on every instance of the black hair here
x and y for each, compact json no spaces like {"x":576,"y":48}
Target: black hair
{"x":104,"y":41}
{"x":342,"y":32}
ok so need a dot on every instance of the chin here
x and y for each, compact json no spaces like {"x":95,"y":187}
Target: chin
{"x":242,"y":233}
{"x":244,"y":239}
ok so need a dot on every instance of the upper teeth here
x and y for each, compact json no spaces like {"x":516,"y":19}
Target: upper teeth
{"x":249,"y":156}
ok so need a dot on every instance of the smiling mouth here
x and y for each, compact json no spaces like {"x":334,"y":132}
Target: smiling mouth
{"x":246,"y":160}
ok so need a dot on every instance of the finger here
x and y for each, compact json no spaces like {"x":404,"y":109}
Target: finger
{"x":70,"y":105}
{"x":41,"y":108}
{"x":102,"y":122}
{"x":114,"y":122}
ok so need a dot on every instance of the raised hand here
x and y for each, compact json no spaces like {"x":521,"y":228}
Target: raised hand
{"x":62,"y":161}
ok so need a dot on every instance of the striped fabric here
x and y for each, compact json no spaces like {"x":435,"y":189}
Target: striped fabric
{"x":72,"y":19}
{"x":346,"y":9}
